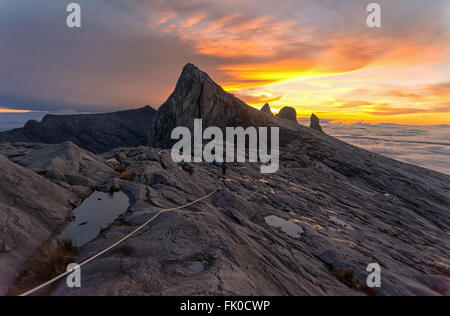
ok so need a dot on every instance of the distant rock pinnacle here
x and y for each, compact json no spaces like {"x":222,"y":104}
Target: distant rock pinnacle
{"x":266,"y":109}
{"x":315,"y":123}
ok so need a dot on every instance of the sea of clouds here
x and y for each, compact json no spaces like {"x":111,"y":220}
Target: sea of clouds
{"x":426,"y":146}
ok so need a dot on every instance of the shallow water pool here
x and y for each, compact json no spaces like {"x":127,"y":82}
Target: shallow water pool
{"x":288,"y":227}
{"x":98,"y":211}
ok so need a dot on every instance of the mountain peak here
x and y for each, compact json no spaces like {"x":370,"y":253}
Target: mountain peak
{"x":189,"y":67}
{"x":197,"y":96}
{"x":192,"y":79}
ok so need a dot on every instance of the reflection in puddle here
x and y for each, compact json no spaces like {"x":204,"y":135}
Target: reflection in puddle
{"x":288,"y":227}
{"x":96,"y":212}
{"x":197,"y":267}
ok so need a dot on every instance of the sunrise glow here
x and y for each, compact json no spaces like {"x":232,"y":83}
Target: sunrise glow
{"x":3,"y":110}
{"x":347,"y":74}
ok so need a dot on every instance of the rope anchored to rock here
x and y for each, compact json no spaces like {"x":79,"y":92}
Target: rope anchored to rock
{"x":134,"y":232}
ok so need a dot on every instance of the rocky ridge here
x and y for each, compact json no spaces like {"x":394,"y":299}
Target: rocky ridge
{"x":95,"y":132}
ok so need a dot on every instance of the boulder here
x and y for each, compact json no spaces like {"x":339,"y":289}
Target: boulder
{"x":288,"y":113}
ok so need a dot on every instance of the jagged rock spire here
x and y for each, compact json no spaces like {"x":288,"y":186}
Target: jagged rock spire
{"x":315,"y":123}
{"x":266,"y":109}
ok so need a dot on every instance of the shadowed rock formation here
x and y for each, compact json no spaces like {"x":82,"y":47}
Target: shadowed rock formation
{"x":315,"y":123}
{"x":197,"y":96}
{"x":288,"y":113}
{"x":95,"y":132}
{"x":266,"y":109}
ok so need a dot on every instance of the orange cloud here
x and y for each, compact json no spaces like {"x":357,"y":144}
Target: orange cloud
{"x":256,"y":99}
{"x":5,"y":110}
{"x":401,"y":94}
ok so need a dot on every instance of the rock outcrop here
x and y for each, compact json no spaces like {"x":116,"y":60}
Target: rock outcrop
{"x":197,"y":96}
{"x":288,"y":113}
{"x":65,"y":164}
{"x":31,"y":210}
{"x":266,"y":109}
{"x":95,"y":132}
{"x":315,"y":123}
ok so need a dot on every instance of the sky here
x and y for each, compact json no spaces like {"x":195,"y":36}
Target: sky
{"x":317,"y":56}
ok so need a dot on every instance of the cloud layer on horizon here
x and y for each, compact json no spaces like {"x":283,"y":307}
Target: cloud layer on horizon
{"x":425,"y":146}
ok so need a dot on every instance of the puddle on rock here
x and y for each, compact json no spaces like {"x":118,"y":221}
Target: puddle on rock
{"x":288,"y":227}
{"x":98,"y":211}
{"x":341,"y":223}
{"x":197,"y":267}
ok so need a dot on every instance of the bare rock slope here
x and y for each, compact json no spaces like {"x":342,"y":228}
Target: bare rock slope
{"x":65,"y":164}
{"x":353,"y":208}
{"x":31,"y":209}
{"x":36,"y":203}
